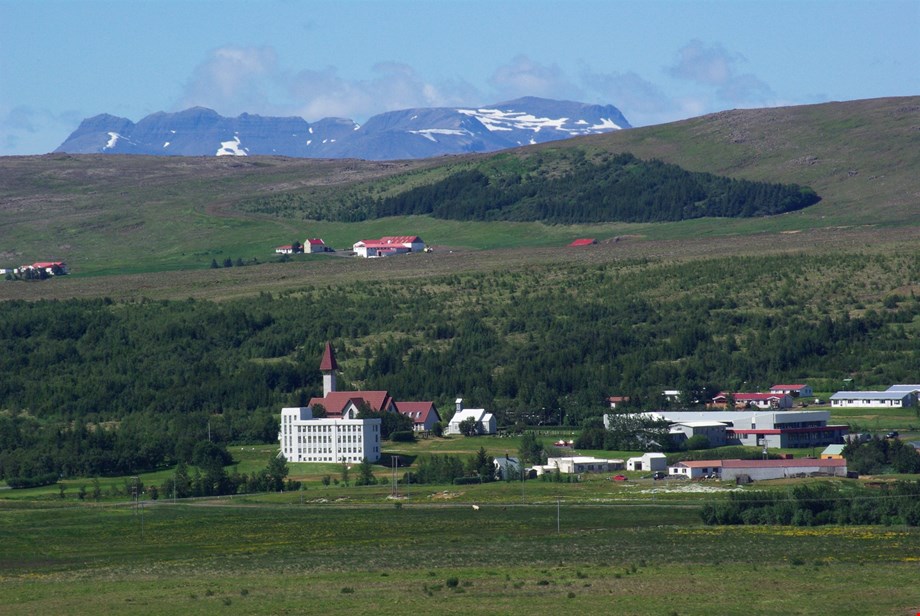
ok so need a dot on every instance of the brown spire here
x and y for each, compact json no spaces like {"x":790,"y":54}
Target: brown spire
{"x":328,"y":364}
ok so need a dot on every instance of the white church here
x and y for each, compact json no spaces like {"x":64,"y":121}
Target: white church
{"x":339,"y":436}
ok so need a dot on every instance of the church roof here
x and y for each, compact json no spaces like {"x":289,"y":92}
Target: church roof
{"x":328,"y":363}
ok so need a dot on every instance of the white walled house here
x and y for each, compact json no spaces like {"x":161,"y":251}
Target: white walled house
{"x":314,"y":245}
{"x":485,"y":421}
{"x":696,"y":469}
{"x":423,"y":414}
{"x":798,"y":390}
{"x":388,"y":245}
{"x":754,"y":400}
{"x":873,"y":399}
{"x":304,"y":439}
{"x":578,"y":464}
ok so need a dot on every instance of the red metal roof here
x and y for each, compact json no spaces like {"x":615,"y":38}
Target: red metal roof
{"x":798,"y":386}
{"x":794,"y":462}
{"x":44,"y":264}
{"x":586,"y":241}
{"x":418,"y":411}
{"x":337,"y":401}
{"x":328,"y":363}
{"x":316,"y":242}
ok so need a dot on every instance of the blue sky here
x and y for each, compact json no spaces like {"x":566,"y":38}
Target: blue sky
{"x":658,"y":61}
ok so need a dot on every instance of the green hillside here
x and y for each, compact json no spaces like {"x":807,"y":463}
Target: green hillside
{"x":123,"y":214}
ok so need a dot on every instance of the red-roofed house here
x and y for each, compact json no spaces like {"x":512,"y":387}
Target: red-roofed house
{"x":389,"y":245}
{"x":587,"y":241}
{"x":617,"y":401}
{"x":796,"y":391}
{"x":423,"y":414}
{"x":696,"y":469}
{"x":315,"y":244}
{"x":762,"y":401}
{"x":52,"y":268}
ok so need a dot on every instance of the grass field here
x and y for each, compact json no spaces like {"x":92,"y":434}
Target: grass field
{"x":261,"y":556}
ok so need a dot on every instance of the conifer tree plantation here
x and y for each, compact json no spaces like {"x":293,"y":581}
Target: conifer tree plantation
{"x":104,"y":387}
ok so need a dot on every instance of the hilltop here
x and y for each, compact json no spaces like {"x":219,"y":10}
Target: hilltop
{"x":107,"y":214}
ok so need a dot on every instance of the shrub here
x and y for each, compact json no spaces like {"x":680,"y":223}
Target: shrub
{"x":452,"y":582}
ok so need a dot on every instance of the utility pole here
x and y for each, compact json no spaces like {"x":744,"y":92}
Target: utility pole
{"x":558,"y":512}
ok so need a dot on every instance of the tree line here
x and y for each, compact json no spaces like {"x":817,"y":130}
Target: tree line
{"x":94,"y":387}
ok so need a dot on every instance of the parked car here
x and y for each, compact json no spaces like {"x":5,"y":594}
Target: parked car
{"x":892,"y":434}
{"x":620,"y":478}
{"x":659,"y":475}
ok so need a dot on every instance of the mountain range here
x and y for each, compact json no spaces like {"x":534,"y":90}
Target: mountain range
{"x":394,"y":135}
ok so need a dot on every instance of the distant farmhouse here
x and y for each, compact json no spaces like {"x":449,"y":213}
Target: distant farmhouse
{"x":796,"y":391}
{"x":38,"y":270}
{"x":754,"y":400}
{"x":310,"y":246}
{"x":388,"y":246}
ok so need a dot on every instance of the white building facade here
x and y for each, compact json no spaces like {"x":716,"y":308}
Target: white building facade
{"x":873,"y":399}
{"x":305,"y":439}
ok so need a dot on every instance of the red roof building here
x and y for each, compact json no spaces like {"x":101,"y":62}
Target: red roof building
{"x":423,"y":414}
{"x":588,"y":241}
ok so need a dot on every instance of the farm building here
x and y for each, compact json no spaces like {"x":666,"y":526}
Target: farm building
{"x":713,"y":430}
{"x":485,"y":421}
{"x":389,"y":245}
{"x":833,"y":452}
{"x":578,"y":464}
{"x":766,"y":428}
{"x":874,"y":399}
{"x":314,"y":245}
{"x":759,"y":470}
{"x":647,"y":462}
{"x":507,"y":467}
{"x":796,"y":391}
{"x":696,"y":469}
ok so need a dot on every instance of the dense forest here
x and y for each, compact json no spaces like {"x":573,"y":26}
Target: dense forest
{"x":95,"y":386}
{"x":564,"y":188}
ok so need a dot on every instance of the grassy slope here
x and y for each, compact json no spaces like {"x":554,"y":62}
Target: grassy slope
{"x":121,"y":214}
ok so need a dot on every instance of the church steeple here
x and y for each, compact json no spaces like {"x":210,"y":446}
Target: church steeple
{"x":328,"y":366}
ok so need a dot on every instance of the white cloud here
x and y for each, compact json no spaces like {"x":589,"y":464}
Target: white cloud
{"x":232,"y":80}
{"x":32,"y":130}
{"x":716,"y":67}
{"x":525,"y":77}
{"x":319,"y":94}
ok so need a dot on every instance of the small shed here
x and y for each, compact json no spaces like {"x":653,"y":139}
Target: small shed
{"x":833,"y":452}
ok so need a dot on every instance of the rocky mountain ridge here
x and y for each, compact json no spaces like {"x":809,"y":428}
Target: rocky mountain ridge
{"x":405,"y":134}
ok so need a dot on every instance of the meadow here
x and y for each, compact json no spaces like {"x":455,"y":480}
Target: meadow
{"x":274,"y":555}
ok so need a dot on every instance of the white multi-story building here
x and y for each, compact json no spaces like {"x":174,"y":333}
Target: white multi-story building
{"x":305,"y":439}
{"x":338,"y":436}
